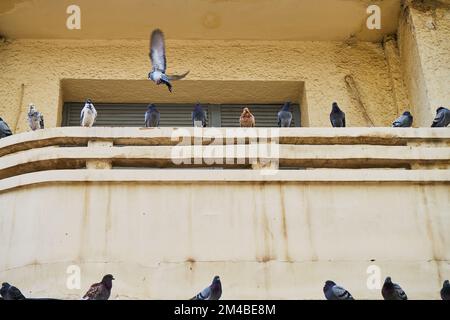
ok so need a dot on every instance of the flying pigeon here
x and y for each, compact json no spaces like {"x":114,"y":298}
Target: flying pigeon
{"x":213,"y":292}
{"x":198,"y":116}
{"x":9,"y":292}
{"x":247,"y":120}
{"x":152,"y":116}
{"x":35,"y":118}
{"x":445,"y":291}
{"x":337,"y":116}
{"x":285,"y":116}
{"x":4,"y":129}
{"x":101,"y":290}
{"x":404,"y":121}
{"x":335,"y":292}
{"x":158,"y":58}
{"x":442,"y":118}
{"x":88,"y":114}
{"x":392,"y":291}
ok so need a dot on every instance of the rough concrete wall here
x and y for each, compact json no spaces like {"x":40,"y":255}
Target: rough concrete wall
{"x":40,"y":65}
{"x":424,"y":36}
{"x":265,"y":240}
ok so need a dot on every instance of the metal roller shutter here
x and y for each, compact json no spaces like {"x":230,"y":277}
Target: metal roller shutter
{"x":175,"y":115}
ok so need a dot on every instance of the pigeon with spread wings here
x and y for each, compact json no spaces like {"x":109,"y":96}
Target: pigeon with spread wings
{"x":159,"y":62}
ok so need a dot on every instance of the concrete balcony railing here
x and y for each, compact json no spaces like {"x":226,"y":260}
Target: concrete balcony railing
{"x":102,"y":199}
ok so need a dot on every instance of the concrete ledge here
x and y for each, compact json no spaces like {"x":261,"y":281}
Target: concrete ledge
{"x":224,"y":176}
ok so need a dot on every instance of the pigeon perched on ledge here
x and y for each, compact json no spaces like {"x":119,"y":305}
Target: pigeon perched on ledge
{"x":392,"y":291}
{"x":152,"y":116}
{"x":337,"y":116}
{"x":198,"y":116}
{"x":88,"y":114}
{"x":101,"y":290}
{"x":35,"y":118}
{"x":5,"y":131}
{"x":334,"y":292}
{"x":247,"y":120}
{"x":442,"y":118}
{"x":404,"y":121}
{"x":159,"y":63}
{"x":285,"y":116}
{"x":213,"y":292}
{"x":9,"y":292}
{"x":445,"y":291}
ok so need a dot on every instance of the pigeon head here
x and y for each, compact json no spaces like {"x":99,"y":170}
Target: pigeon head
{"x":407,"y":113}
{"x":1,"y":119}
{"x":440,"y":109}
{"x":446,"y":284}
{"x":335,"y":107}
{"x":216,"y":279}
{"x":32,"y":108}
{"x":151,"y":107}
{"x":5,"y":285}
{"x":198,"y":107}
{"x":329,"y":284}
{"x":287,"y":106}
{"x":108,"y":278}
{"x":88,"y":101}
{"x":388,"y":280}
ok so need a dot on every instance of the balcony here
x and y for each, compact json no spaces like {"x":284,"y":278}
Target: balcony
{"x":134,"y":203}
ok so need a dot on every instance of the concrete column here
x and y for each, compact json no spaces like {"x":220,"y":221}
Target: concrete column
{"x":99,"y":164}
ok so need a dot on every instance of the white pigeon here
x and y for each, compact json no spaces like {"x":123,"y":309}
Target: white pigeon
{"x":88,"y":114}
{"x":35,"y":118}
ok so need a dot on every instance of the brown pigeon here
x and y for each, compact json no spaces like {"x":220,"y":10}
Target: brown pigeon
{"x":100,"y":291}
{"x":247,"y":119}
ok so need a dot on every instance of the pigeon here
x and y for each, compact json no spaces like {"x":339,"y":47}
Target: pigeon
{"x":445,"y":291}
{"x":101,"y":290}
{"x":158,"y":58}
{"x":247,"y":120}
{"x":35,"y":118}
{"x":404,"y":121}
{"x":4,"y":129}
{"x":337,"y":116}
{"x":392,"y":291}
{"x":198,"y":116}
{"x":213,"y":292}
{"x":442,"y":118}
{"x":88,"y":114}
{"x":152,"y":116}
{"x":9,"y":292}
{"x":334,"y":292}
{"x":285,"y":116}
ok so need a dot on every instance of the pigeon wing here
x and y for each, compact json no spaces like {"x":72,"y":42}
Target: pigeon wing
{"x":41,"y":122}
{"x":82,"y":116}
{"x":400,"y":292}
{"x":4,"y":129}
{"x":15,"y":294}
{"x":175,"y":77}
{"x":158,"y":51}
{"x":204,"y":294}
{"x":341,"y":293}
{"x":440,"y":116}
{"x":93,"y":291}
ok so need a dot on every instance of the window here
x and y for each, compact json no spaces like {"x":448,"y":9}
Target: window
{"x":176,"y":115}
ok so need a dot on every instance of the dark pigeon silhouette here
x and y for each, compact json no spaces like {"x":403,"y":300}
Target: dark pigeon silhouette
{"x":445,"y":291}
{"x":285,"y":116}
{"x":101,"y":290}
{"x":392,"y":291}
{"x":158,"y":58}
{"x":442,"y":118}
{"x":198,"y":116}
{"x":5,"y":131}
{"x":213,"y":292}
{"x":152,"y":116}
{"x":9,"y":292}
{"x":335,"y":292}
{"x":337,"y":116}
{"x":404,"y":121}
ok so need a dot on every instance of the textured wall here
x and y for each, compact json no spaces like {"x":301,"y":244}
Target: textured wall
{"x":266,"y":240}
{"x":424,"y":41}
{"x":40,"y":65}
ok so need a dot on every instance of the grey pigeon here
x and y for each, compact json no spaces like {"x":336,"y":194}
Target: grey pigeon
{"x":9,"y":292}
{"x":334,"y":292}
{"x":404,"y":121}
{"x":445,"y":291}
{"x":285,"y":116}
{"x":152,"y":116}
{"x":35,"y":118}
{"x":392,"y":291}
{"x":442,"y":118}
{"x":88,"y":114}
{"x":198,"y":116}
{"x":101,"y":290}
{"x":213,"y":292}
{"x":159,"y":64}
{"x":5,"y":131}
{"x":337,"y":116}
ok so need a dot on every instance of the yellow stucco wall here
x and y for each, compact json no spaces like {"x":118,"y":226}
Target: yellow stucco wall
{"x":41,"y":65}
